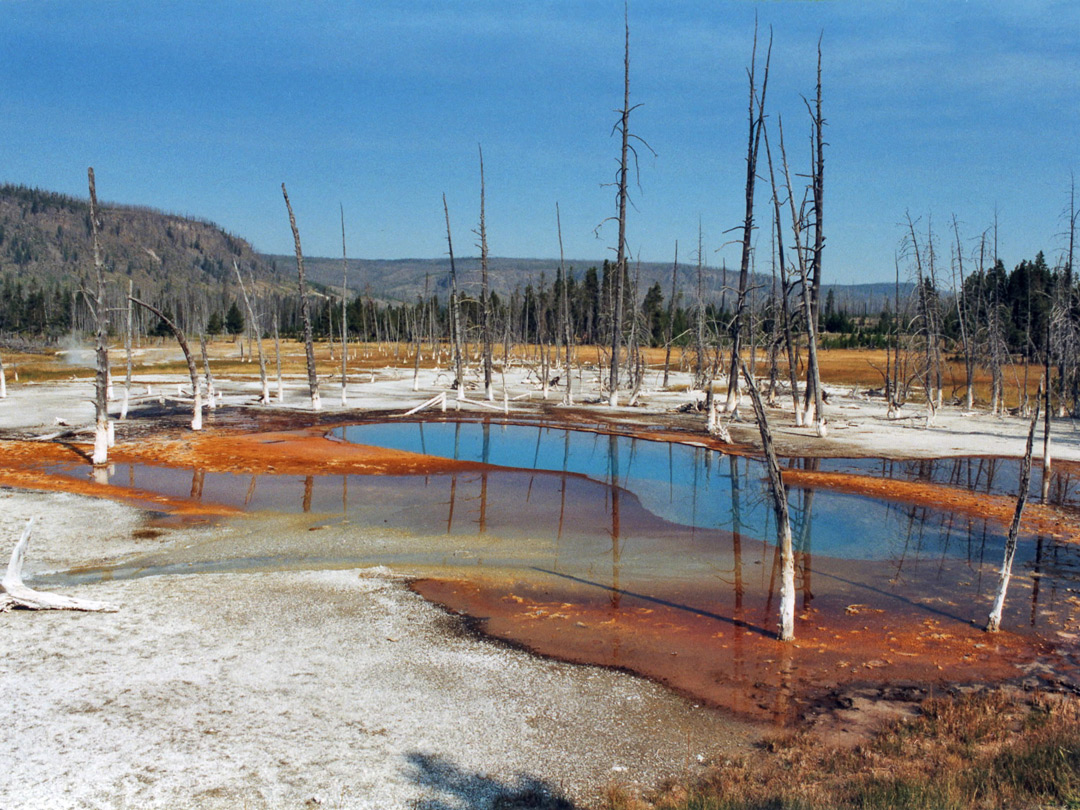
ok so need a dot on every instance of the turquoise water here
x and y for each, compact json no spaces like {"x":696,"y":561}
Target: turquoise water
{"x":622,"y":514}
{"x":700,"y":488}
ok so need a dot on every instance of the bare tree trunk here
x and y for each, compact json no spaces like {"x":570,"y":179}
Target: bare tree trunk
{"x":485,"y":296}
{"x":344,"y":314}
{"x":455,"y":312}
{"x":178,"y":333}
{"x":101,"y":379}
{"x":780,"y":509}
{"x":894,"y":398}
{"x":813,"y":371}
{"x":928,"y":327}
{"x":962,"y":315}
{"x":700,"y":371}
{"x":1046,"y":423}
{"x":620,"y":261}
{"x":756,"y":118}
{"x":568,"y":398}
{"x":305,"y":315}
{"x":785,"y":289}
{"x":817,"y":416}
{"x":669,"y":332}
{"x":211,"y":401}
{"x":277,"y":360}
{"x":994,"y":623}
{"x":3,"y":379}
{"x":127,"y":356}
{"x":14,"y":594}
{"x":264,"y":397}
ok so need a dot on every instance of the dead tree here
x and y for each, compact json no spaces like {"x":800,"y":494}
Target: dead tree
{"x":455,"y":311}
{"x":623,"y":127}
{"x":277,"y":360}
{"x":669,"y":331}
{"x":568,"y":399}
{"x":1045,"y":493}
{"x":15,"y":594}
{"x":962,"y":316}
{"x":816,"y":414}
{"x":785,"y":288}
{"x":127,"y":354}
{"x":264,"y":396}
{"x":344,"y":313}
{"x":178,"y":333}
{"x":780,"y":509}
{"x":756,"y":119}
{"x":305,"y":314}
{"x":929,"y":336}
{"x":211,"y":397}
{"x":485,"y":296}
{"x":994,"y":623}
{"x":701,"y":371}
{"x":813,"y":372}
{"x":101,"y":378}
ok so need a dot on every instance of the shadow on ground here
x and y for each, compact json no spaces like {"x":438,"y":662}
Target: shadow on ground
{"x":451,"y":788}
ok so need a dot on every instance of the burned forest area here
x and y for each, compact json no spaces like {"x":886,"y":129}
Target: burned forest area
{"x":290,"y":530}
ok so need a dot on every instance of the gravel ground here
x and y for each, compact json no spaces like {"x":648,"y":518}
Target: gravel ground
{"x":298,"y":689}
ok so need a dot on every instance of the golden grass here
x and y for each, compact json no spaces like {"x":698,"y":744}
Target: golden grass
{"x":862,"y":368}
{"x":990,"y":750}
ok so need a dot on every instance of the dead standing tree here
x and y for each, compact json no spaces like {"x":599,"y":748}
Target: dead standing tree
{"x":622,"y":126}
{"x":816,"y":414}
{"x":264,"y":396}
{"x":564,"y":310}
{"x":455,"y":312}
{"x":756,"y":117}
{"x":344,"y":313}
{"x":994,"y":622}
{"x":670,"y":325}
{"x":963,"y":316}
{"x":813,"y":372}
{"x":193,"y":371}
{"x":485,"y":296}
{"x":785,"y":290}
{"x":305,"y":313}
{"x":101,"y":378}
{"x":780,"y":508}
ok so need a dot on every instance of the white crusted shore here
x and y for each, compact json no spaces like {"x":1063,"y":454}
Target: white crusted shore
{"x":291,"y":689}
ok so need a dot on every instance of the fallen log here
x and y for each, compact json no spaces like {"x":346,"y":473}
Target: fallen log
{"x":14,"y":594}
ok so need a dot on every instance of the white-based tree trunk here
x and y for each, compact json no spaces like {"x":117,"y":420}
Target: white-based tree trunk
{"x":101,"y":443}
{"x":994,"y":622}
{"x":780,"y":509}
{"x":305,"y":316}
{"x":211,"y":399}
{"x":264,"y":396}
{"x":101,"y":378}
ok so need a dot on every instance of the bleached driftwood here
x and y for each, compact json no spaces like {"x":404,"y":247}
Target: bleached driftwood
{"x":14,"y":594}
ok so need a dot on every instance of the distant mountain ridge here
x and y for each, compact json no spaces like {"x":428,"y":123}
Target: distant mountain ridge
{"x":402,"y":280}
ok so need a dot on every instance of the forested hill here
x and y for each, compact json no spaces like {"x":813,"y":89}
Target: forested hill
{"x":46,"y":252}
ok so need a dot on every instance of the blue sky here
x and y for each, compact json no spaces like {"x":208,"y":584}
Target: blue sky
{"x":205,"y":108}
